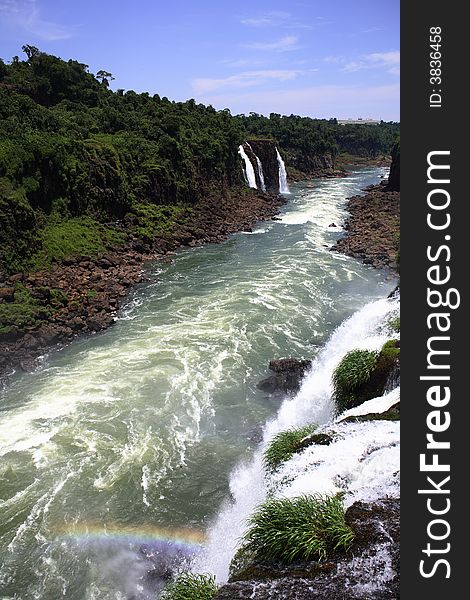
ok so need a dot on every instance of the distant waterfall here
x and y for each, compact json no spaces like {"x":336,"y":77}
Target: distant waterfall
{"x":248,"y":171}
{"x":260,"y":169}
{"x":283,"y":187}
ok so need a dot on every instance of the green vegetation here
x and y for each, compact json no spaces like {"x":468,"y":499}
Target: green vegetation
{"x":154,"y":220}
{"x":191,"y":586}
{"x":26,"y":310}
{"x":76,"y":156}
{"x":303,"y":528}
{"x":394,"y":323}
{"x":284,"y":445}
{"x":389,"y":352}
{"x":75,"y":237}
{"x":352,"y":372}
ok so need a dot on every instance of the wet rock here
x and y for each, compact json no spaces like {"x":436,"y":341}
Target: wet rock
{"x":288,"y":376}
{"x":322,"y":439}
{"x":392,"y":414}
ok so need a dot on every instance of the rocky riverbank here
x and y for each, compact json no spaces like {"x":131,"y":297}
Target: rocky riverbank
{"x":373,"y":228}
{"x":82,"y":294}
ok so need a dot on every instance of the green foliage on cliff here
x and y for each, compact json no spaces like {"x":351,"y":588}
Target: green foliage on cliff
{"x":302,"y":528}
{"x":191,"y":586}
{"x":284,"y":445}
{"x":71,"y":148}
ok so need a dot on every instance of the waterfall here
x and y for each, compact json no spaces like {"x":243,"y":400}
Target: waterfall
{"x":283,"y":187}
{"x":260,"y":168}
{"x":313,"y":404}
{"x":249,"y":172}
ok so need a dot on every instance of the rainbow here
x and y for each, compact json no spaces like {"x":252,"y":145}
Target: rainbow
{"x":184,"y":538}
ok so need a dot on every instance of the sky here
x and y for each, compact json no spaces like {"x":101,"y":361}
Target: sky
{"x":318,"y":58}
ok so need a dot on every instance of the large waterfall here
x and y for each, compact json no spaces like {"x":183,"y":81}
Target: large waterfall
{"x":263,"y":166}
{"x":249,"y":170}
{"x":283,"y":187}
{"x":341,"y":468}
{"x":260,"y":169}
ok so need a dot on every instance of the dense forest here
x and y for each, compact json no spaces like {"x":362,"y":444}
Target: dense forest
{"x":74,"y":151}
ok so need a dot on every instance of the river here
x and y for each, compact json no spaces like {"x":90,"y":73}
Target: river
{"x":116,"y":452}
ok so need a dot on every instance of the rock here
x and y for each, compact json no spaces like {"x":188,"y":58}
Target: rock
{"x":48,"y":334}
{"x":322,"y":439}
{"x":289,"y":373}
{"x":7,"y":294}
{"x":30,"y":342}
{"x":332,"y":225}
{"x":18,"y":277}
{"x":392,"y":414}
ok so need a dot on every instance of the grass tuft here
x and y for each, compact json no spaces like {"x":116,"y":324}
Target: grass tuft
{"x":302,"y":528}
{"x":284,"y":445}
{"x":353,"y":371}
{"x":191,"y":586}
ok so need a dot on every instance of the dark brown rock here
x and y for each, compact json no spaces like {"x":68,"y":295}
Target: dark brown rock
{"x":289,"y":373}
{"x":7,"y":294}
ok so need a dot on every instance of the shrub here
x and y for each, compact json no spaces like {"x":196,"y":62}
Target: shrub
{"x":191,"y":586}
{"x":352,"y":372}
{"x":303,"y":528}
{"x":284,"y":445}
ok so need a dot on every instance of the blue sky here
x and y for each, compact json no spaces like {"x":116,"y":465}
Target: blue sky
{"x":335,"y":58}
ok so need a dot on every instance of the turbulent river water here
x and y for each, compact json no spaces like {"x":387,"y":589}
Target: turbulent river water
{"x":116,"y":453}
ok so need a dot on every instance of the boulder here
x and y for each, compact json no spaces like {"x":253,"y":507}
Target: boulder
{"x":7,"y":294}
{"x":288,"y":375}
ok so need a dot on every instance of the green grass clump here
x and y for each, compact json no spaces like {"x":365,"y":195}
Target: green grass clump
{"x":390,"y":351}
{"x":303,"y":528}
{"x":191,"y":586}
{"x":26,"y":310}
{"x":284,"y":445}
{"x":73,"y":237}
{"x":352,"y":372}
{"x":156,"y":220}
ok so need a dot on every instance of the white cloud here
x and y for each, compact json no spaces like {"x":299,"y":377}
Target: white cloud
{"x":381,"y":102}
{"x":26,"y":14}
{"x":269,"y":19}
{"x":242,"y":80}
{"x":284,"y":44}
{"x":389,"y":61}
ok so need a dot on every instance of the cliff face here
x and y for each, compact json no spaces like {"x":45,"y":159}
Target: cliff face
{"x":394,"y":177}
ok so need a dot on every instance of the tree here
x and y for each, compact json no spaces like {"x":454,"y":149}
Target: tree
{"x":104,"y":77}
{"x":30,"y":51}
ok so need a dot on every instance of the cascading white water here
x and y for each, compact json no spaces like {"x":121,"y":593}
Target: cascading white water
{"x":313,"y":404}
{"x":260,"y":168}
{"x":248,"y":170}
{"x":283,"y":187}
